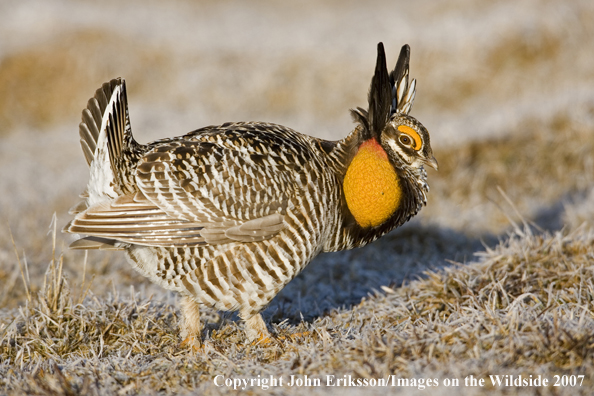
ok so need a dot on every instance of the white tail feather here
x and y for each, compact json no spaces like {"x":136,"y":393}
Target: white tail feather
{"x":101,"y":180}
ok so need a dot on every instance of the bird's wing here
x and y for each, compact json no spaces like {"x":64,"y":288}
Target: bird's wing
{"x":203,"y":189}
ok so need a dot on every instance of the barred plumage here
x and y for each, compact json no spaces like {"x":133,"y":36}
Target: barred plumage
{"x":227,"y":215}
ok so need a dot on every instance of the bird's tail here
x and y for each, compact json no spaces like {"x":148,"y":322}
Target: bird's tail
{"x":105,"y":137}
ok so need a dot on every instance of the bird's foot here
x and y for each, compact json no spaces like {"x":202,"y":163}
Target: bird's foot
{"x":193,"y":343}
{"x":255,"y":329}
{"x":190,"y":325}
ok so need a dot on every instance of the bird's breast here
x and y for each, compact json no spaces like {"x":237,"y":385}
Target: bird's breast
{"x":371,"y":186}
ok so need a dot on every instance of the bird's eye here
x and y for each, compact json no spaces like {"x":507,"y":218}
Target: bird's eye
{"x":406,"y":140}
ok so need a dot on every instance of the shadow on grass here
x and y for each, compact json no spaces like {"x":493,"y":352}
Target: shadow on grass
{"x":342,"y":279}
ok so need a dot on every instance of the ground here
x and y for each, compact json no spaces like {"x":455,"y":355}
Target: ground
{"x":494,"y":277}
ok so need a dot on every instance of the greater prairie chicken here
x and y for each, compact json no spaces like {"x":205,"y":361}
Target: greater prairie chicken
{"x":228,"y":215}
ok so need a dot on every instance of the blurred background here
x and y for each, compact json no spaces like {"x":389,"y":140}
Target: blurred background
{"x":505,"y":88}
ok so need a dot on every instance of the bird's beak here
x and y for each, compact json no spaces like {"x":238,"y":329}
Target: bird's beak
{"x":432,"y":162}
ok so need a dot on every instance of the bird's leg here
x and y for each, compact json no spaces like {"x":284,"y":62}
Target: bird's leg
{"x":256,"y":331}
{"x":190,"y":326}
{"x":255,"y":328}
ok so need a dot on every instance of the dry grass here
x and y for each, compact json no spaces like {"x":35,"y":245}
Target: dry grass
{"x":301,"y":84}
{"x":538,"y":165}
{"x":46,"y":83}
{"x":523,"y":308}
{"x":516,"y":59}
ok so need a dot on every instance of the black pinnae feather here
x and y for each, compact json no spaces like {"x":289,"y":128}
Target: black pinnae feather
{"x":399,"y":72}
{"x":380,"y":95}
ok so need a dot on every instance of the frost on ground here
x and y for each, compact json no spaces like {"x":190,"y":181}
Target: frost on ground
{"x":423,"y":302}
{"x":522,"y":308}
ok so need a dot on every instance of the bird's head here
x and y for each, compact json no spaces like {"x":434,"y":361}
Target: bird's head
{"x":405,"y":140}
{"x":385,"y":182}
